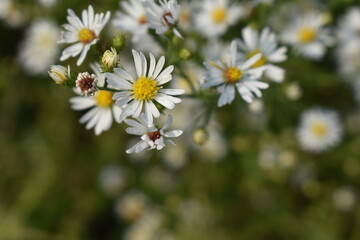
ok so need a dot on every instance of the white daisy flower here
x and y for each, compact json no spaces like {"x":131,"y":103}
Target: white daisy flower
{"x":348,"y":59}
{"x":349,"y":26}
{"x":216,"y":16}
{"x":229,"y":74}
{"x":83,"y":33}
{"x":12,"y":13}
{"x":151,"y":136}
{"x":308,"y":35}
{"x":266,"y":44}
{"x":133,"y":19}
{"x":101,"y":105}
{"x":140,"y":92}
{"x":39,"y":49}
{"x":164,"y":16}
{"x":348,"y":51}
{"x":319,"y":130}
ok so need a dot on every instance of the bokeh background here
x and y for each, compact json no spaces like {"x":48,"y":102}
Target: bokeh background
{"x":250,"y":180}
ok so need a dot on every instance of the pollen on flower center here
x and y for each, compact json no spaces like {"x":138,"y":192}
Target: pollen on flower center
{"x":319,"y":129}
{"x":218,"y":15}
{"x":86,"y":35}
{"x":104,"y":99}
{"x":232,"y":75}
{"x":142,"y":19}
{"x":145,"y":89}
{"x":306,"y":34}
{"x":260,"y":62}
{"x":154,"y":135}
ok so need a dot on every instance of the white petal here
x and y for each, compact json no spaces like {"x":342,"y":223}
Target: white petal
{"x":152,"y":65}
{"x":137,"y":61}
{"x":275,"y":73}
{"x":168,"y":123}
{"x":172,"y":91}
{"x":117,"y":82}
{"x":123,"y":74}
{"x":251,"y":61}
{"x":158,"y":67}
{"x":174,"y":133}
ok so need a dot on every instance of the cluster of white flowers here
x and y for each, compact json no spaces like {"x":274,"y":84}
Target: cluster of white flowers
{"x":115,"y":93}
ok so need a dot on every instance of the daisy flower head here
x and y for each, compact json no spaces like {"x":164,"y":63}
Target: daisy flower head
{"x":151,"y":136}
{"x":140,"y":92}
{"x":319,"y":130}
{"x":133,"y":19}
{"x":40,"y":48}
{"x":266,"y":44}
{"x":164,"y":16}
{"x":349,"y":26}
{"x":228,"y":74}
{"x":101,"y":106}
{"x":308,"y":35}
{"x":216,"y":16}
{"x":82,"y":33}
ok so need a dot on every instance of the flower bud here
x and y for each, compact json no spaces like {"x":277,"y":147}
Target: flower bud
{"x":184,"y":54}
{"x":200,"y":136}
{"x":118,"y":42}
{"x":110,"y":58}
{"x":86,"y":84}
{"x":59,"y":74}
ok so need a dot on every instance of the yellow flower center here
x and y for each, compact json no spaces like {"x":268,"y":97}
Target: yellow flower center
{"x":260,"y":62}
{"x":145,"y":89}
{"x":104,"y":99}
{"x":319,"y":129}
{"x":86,"y":35}
{"x":218,"y":15}
{"x":232,"y":74}
{"x":142,"y":19}
{"x":306,"y":34}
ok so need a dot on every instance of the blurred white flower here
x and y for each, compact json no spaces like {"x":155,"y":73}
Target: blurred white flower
{"x":164,"y":16}
{"x":140,"y":92}
{"x":39,"y":49}
{"x":112,"y":180}
{"x":47,"y":3}
{"x":344,"y":198}
{"x":102,"y":108}
{"x":266,"y":44}
{"x":308,"y":35}
{"x":82,"y":33}
{"x":216,"y":16}
{"x":293,"y":91}
{"x":319,"y":130}
{"x":133,"y":19}
{"x":176,"y":156}
{"x":147,"y":227}
{"x":151,"y":136}
{"x":348,"y":58}
{"x":349,"y":26}
{"x":131,"y":206}
{"x":12,"y":13}
{"x":230,"y":74}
